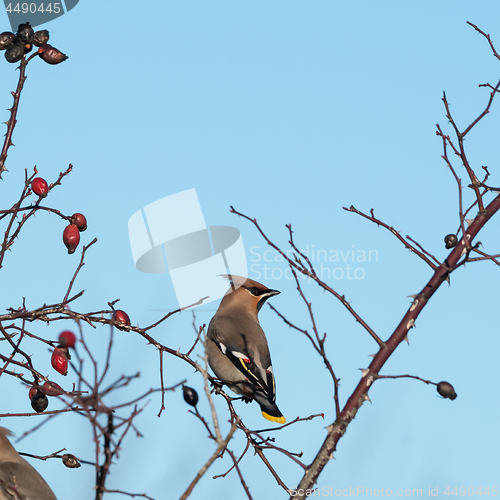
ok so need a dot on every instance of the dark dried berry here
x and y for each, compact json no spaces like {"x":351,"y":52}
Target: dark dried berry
{"x":450,"y":240}
{"x":28,"y":47}
{"x":41,"y":37}
{"x":70,"y":461}
{"x":6,"y":39}
{"x":446,"y":390}
{"x":71,"y":237}
{"x":190,"y":395}
{"x":25,"y":33}
{"x":79,"y":221}
{"x":51,"y":55}
{"x":14,"y":52}
{"x":39,"y":402}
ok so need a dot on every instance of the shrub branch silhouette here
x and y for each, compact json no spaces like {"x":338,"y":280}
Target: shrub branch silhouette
{"x":89,"y":396}
{"x":110,"y":423}
{"x":458,"y":256}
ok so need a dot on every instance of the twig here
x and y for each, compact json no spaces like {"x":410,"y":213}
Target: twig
{"x":310,"y":273}
{"x":11,"y":123}
{"x":220,"y":448}
{"x":80,"y":265}
{"x":487,"y":38}
{"x":360,"y":393}
{"x":372,"y":218}
{"x":407,"y":376}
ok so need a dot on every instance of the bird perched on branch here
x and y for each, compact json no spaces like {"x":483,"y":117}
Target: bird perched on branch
{"x":237,"y":347}
{"x":18,"y":479}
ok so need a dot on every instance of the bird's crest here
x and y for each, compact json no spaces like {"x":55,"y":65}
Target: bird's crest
{"x":236,"y":281}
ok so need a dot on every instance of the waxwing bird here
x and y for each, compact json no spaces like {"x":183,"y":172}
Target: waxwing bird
{"x":18,"y":479}
{"x":237,"y":347}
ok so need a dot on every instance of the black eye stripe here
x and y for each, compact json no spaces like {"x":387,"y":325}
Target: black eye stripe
{"x":255,"y":291}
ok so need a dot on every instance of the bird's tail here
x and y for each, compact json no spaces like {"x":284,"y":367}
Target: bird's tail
{"x":269,"y":410}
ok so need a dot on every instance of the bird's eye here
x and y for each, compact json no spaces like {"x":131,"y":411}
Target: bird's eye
{"x":254,"y":291}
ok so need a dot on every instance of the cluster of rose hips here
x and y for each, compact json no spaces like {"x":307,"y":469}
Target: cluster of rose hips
{"x":22,"y":42}
{"x":78,"y":222}
{"x":59,"y":360}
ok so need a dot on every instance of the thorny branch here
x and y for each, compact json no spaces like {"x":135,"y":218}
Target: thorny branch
{"x":11,"y":123}
{"x":91,"y":401}
{"x":422,"y":254}
{"x":317,"y":341}
{"x":309,"y":271}
{"x":111,"y":423}
{"x":456,"y":258}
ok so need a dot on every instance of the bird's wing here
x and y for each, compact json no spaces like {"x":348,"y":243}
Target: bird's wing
{"x":255,"y":366}
{"x":24,"y":480}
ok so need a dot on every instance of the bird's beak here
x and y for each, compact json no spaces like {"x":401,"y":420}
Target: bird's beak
{"x":264,"y":297}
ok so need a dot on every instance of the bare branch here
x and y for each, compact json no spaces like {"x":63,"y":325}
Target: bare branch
{"x":372,"y":218}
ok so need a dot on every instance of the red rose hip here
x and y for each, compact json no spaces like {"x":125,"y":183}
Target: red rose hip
{"x":71,"y":237}
{"x":52,"y":389}
{"x":67,"y":339}
{"x":59,"y":361}
{"x":33,"y":390}
{"x":79,"y":221}
{"x":121,"y":317}
{"x":40,"y":187}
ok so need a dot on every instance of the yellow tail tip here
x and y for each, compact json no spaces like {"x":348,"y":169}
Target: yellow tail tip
{"x":279,"y":420}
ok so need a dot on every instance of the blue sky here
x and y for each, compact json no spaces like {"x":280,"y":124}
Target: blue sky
{"x":287,"y":110}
